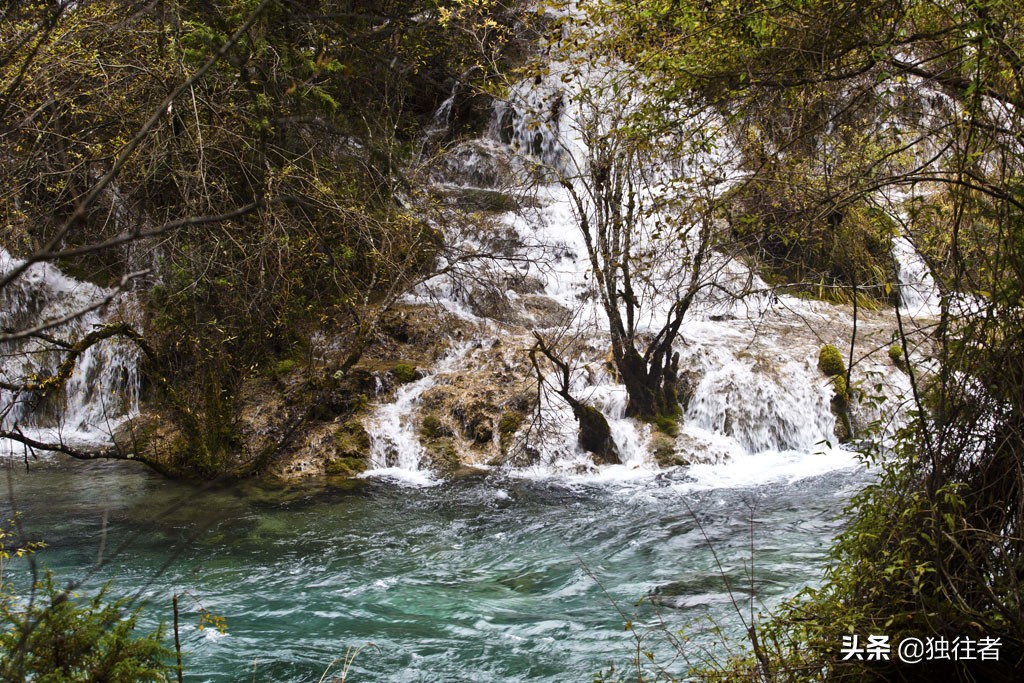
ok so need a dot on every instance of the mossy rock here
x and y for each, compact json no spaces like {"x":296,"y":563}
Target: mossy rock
{"x":840,"y":406}
{"x":442,"y":456}
{"x":667,"y":424}
{"x":483,"y":433}
{"x":842,"y":390}
{"x":346,"y":467}
{"x":433,"y":428}
{"x":663,"y":447}
{"x":780,"y":223}
{"x":896,"y":356}
{"x":404,"y":373}
{"x":596,"y":436}
{"x":485,"y":200}
{"x":477,"y":423}
{"x":341,"y":393}
{"x":508,"y":424}
{"x":830,"y":361}
{"x":351,"y":440}
{"x":843,"y":430}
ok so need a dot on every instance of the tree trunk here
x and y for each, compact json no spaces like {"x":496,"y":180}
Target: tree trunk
{"x":595,"y":435}
{"x":652,"y":390}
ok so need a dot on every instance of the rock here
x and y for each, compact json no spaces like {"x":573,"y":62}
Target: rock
{"x":544,"y":312}
{"x":352,"y":440}
{"x":441,"y":455}
{"x":154,"y":439}
{"x":663,"y":448}
{"x":896,"y":356}
{"x":432,"y":427}
{"x":485,"y":200}
{"x":345,"y":467}
{"x":479,"y":163}
{"x":405,"y":373}
{"x":508,"y":424}
{"x":490,"y":302}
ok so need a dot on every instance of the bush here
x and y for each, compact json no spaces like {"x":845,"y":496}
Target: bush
{"x":54,"y":635}
{"x":63,"y":638}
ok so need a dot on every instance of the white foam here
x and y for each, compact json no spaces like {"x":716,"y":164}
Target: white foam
{"x":753,"y":469}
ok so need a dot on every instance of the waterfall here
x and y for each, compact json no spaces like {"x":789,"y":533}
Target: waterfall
{"x":395,"y":447}
{"x":103,"y":389}
{"x":918,"y":293}
{"x":749,"y":357}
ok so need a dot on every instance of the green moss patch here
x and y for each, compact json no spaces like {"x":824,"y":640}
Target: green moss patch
{"x":433,"y":428}
{"x":404,"y":373}
{"x":830,"y":361}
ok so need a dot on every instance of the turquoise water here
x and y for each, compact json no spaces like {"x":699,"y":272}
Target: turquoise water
{"x":492,"y":579}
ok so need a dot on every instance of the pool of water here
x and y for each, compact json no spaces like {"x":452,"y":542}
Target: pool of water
{"x":496,"y":578}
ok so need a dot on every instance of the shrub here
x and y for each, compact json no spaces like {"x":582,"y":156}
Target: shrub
{"x":54,"y":635}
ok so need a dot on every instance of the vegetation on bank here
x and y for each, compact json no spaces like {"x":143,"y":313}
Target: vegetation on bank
{"x":51,"y":634}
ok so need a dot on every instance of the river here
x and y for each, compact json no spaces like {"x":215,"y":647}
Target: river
{"x":496,"y":578}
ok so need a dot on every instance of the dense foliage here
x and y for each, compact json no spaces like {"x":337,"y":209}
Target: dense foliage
{"x":263,"y":164}
{"x":260,"y":169}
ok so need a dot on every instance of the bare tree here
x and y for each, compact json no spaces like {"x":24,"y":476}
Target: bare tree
{"x":643,"y":196}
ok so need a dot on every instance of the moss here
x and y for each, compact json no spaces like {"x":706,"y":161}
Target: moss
{"x":351,"y":440}
{"x":663,"y":448}
{"x":842,"y":390}
{"x":285,"y":366}
{"x":830,"y":361}
{"x":433,"y":428}
{"x":896,"y":356}
{"x":667,"y":424}
{"x":595,"y":435}
{"x":346,"y":467}
{"x":442,"y":455}
{"x":489,"y":201}
{"x":404,"y":373}
{"x":508,"y":424}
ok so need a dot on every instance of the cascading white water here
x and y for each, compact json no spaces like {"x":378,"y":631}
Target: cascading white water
{"x":104,"y":387}
{"x":782,"y":407}
{"x":918,"y":293}
{"x":749,"y":356}
{"x":395,"y":448}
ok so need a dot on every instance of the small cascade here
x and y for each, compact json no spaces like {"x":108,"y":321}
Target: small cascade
{"x":533,"y":121}
{"x":395,"y":448}
{"x":394,"y":442}
{"x":760,"y":404}
{"x":104,"y":387}
{"x":918,"y":293}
